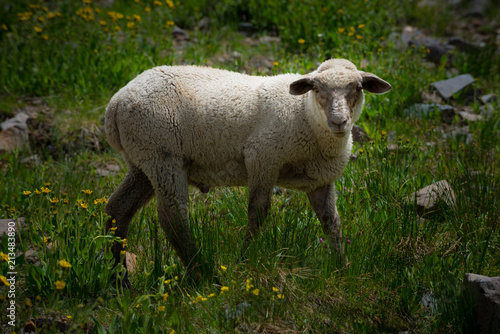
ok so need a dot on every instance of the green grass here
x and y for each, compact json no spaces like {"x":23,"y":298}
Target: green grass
{"x":290,"y":280}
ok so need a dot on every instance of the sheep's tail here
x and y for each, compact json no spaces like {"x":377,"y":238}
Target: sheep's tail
{"x":112,"y":133}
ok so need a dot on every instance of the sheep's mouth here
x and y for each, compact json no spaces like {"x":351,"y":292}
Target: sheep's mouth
{"x":339,"y":134}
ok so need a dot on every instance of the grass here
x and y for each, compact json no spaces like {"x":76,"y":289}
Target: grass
{"x":72,"y":55}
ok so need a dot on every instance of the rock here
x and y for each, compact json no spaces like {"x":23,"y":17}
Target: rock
{"x":131,"y":262}
{"x":180,"y":34}
{"x":432,"y":97}
{"x":204,"y":23}
{"x":246,"y":28}
{"x":6,"y":223}
{"x":484,"y":293}
{"x":486,"y":110}
{"x":359,"y":135}
{"x":488,"y":98}
{"x":269,"y":39}
{"x":471,"y":117}
{"x":429,"y":198}
{"x":14,"y":137}
{"x":460,"y":133}
{"x":420,"y":110}
{"x":32,"y":159}
{"x":462,"y":45}
{"x":446,"y":88}
{"x":18,"y":121}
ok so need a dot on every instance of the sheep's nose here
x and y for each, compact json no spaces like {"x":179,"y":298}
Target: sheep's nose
{"x":340,"y":122}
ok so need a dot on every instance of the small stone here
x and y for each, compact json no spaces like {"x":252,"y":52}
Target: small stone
{"x":180,"y":34}
{"x":486,"y":110}
{"x":420,"y":110}
{"x":19,"y":121}
{"x":471,"y":117}
{"x":204,"y":23}
{"x":446,"y":88}
{"x":428,"y":198}
{"x":484,"y":292}
{"x":113,"y":167}
{"x":32,"y":159}
{"x":359,"y":135}
{"x":131,"y":262}
{"x":488,"y":98}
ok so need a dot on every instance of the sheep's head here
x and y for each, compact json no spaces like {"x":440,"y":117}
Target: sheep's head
{"x":338,"y":86}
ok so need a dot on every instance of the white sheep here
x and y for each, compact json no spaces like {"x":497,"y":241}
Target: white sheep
{"x":188,"y":125}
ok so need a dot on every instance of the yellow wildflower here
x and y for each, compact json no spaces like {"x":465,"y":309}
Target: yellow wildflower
{"x":87,"y":1}
{"x":38,"y":298}
{"x":137,"y":17}
{"x":165,"y":296}
{"x":147,"y":9}
{"x":4,"y":27}
{"x":84,"y":205}
{"x":359,"y":37}
{"x":248,"y":284}
{"x":137,"y":1}
{"x":65,"y":201}
{"x":301,"y":41}
{"x":45,"y":240}
{"x":41,"y":19}
{"x":341,"y":30}
{"x":170,"y":23}
{"x":361,"y":26}
{"x":275,"y":289}
{"x":383,"y":133}
{"x":123,"y":252}
{"x":4,"y":257}
{"x":113,"y":229}
{"x":172,"y":331}
{"x":26,"y":192}
{"x":158,"y":3}
{"x":68,"y":316}
{"x":276,"y":63}
{"x":87,"y":191}
{"x":119,"y":16}
{"x":38,"y":192}
{"x":170,"y":4}
{"x":103,"y":23}
{"x":47,"y":184}
{"x":58,"y":14}
{"x":28,"y":303}
{"x":3,"y":279}
{"x":223,"y":268}
{"x":45,"y":190}
{"x":351,"y":34}
{"x":54,"y":200}
{"x":161,"y":308}
{"x":38,"y":29}
{"x":211,"y":295}
{"x":280,"y":296}
{"x":65,"y":264}
{"x":131,"y":25}
{"x":352,"y":29}
{"x":117,"y":28}
{"x":60,"y":285}
{"x":168,"y":281}
{"x":97,"y":10}
{"x":256,"y":292}
{"x":45,"y":37}
{"x":224,"y":289}
{"x":340,"y":11}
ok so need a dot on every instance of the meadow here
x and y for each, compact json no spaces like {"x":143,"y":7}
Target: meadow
{"x":66,"y":59}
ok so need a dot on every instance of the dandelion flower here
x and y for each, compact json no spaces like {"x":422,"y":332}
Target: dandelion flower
{"x":137,"y":17}
{"x":38,"y":192}
{"x":54,"y":200}
{"x":147,"y":9}
{"x":64,"y":264}
{"x":26,"y":192}
{"x":161,"y":308}
{"x":224,"y":268}
{"x":170,"y":23}
{"x":211,"y":295}
{"x":361,"y":26}
{"x":158,"y":3}
{"x":123,"y":252}
{"x":3,"y":279}
{"x":47,"y":184}
{"x":256,"y":292}
{"x":170,"y":4}
{"x":276,"y":63}
{"x":28,"y":302}
{"x":45,"y":37}
{"x":359,"y":37}
{"x":383,"y":133}
{"x":352,"y":29}
{"x":4,"y":257}
{"x":280,"y":296}
{"x":275,"y":289}
{"x":301,"y":41}
{"x":168,"y":281}
{"x":69,"y":317}
{"x":87,"y":191}
{"x":224,"y":289}
{"x":38,"y":298}
{"x":131,"y":25}
{"x":38,"y":29}
{"x":45,"y":190}
{"x":60,"y":285}
{"x":117,"y":28}
{"x":84,"y":205}
{"x":103,"y":23}
{"x":165,"y":296}
{"x":341,"y":30}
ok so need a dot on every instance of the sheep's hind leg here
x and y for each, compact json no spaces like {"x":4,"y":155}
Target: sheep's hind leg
{"x":132,"y":194}
{"x":324,"y":204}
{"x":171,"y":185}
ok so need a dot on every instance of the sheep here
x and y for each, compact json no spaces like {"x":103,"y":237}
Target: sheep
{"x":187,"y":125}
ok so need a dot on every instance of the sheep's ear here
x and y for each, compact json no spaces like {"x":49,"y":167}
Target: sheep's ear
{"x":373,"y":84}
{"x":301,"y":86}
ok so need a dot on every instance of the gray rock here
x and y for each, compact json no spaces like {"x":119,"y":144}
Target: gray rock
{"x":484,"y":293}
{"x":18,"y":121}
{"x":14,"y":137}
{"x":446,"y":88}
{"x":204,"y":23}
{"x":6,"y":223}
{"x":460,"y":133}
{"x":180,"y":34}
{"x":429,"y":198}
{"x":488,"y":98}
{"x":359,"y":135}
{"x":486,"y":110}
{"x":33,"y":159}
{"x":420,"y":110}
{"x":471,"y":117}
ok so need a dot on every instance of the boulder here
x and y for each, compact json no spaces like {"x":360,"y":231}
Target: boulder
{"x":428,"y":199}
{"x":446,"y":88}
{"x":359,"y":135}
{"x":484,"y":293}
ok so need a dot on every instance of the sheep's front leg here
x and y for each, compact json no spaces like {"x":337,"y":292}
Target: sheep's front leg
{"x":171,"y":185}
{"x":132,"y":194}
{"x":323,"y":201}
